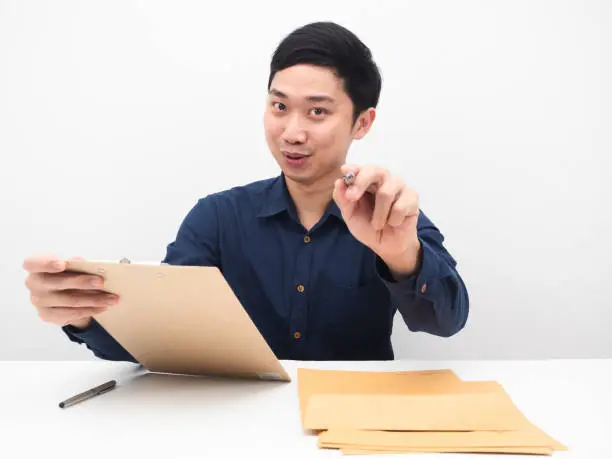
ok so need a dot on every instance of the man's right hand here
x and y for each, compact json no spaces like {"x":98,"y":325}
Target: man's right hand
{"x":65,"y":298}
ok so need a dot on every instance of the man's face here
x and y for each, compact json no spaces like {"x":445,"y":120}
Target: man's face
{"x":309,"y":123}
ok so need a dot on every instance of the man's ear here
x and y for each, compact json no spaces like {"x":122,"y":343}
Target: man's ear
{"x":364,"y":123}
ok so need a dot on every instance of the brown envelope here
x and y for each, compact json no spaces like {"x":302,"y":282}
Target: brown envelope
{"x":182,"y":320}
{"x":311,"y":381}
{"x":529,"y":435}
{"x":501,"y":450}
{"x":356,"y":398}
{"x":447,"y":412}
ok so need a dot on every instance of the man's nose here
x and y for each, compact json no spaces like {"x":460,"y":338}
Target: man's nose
{"x":294,"y":131}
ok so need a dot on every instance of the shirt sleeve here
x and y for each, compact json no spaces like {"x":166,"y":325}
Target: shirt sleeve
{"x":197,"y":241}
{"x":196,"y":244}
{"x":434,"y":300}
{"x":99,"y":341}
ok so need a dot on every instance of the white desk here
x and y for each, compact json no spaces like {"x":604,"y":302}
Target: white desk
{"x":150,"y":416}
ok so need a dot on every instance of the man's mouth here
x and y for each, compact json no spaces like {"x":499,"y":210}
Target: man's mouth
{"x":294,"y":156}
{"x":296,"y":159}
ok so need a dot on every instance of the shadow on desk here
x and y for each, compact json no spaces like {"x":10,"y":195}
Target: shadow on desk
{"x":180,"y":390}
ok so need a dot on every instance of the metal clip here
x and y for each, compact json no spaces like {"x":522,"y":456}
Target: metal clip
{"x":124,"y":260}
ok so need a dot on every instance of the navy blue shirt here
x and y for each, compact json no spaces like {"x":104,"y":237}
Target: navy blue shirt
{"x":314,"y":295}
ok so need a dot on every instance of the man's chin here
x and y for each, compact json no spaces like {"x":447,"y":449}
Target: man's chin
{"x":307,"y":175}
{"x":304,"y":178}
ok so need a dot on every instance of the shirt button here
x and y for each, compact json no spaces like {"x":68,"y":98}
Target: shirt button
{"x":423,"y":288}
{"x":300,"y":288}
{"x":307,"y":239}
{"x":297,"y":335}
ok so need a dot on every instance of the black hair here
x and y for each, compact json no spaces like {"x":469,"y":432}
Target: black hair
{"x":330,"y":45}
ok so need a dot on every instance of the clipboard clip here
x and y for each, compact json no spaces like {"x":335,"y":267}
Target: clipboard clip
{"x":125,"y":261}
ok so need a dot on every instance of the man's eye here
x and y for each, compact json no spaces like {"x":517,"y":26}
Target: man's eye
{"x":318,"y":111}
{"x":279,"y":106}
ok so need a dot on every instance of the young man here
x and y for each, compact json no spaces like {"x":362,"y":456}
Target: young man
{"x":320,"y":266}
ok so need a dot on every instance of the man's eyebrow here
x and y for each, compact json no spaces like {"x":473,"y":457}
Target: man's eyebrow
{"x":321,"y":98}
{"x":277,"y":93}
{"x":313,"y":98}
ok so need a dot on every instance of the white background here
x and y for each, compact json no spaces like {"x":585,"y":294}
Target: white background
{"x":116,"y":116}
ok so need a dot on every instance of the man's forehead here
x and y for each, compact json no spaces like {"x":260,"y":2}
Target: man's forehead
{"x":305,"y":80}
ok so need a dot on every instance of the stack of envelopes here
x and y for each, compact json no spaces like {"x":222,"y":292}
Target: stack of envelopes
{"x":432,"y":411}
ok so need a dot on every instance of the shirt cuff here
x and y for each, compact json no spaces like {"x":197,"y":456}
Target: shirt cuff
{"x":83,"y":335}
{"x":431,"y":269}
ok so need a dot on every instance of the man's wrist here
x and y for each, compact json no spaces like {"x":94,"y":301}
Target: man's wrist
{"x":406,"y":264}
{"x":81,"y":324}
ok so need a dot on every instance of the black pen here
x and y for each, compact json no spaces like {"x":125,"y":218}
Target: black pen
{"x":101,"y":389}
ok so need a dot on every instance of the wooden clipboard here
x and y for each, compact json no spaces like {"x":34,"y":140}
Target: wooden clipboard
{"x":182,"y":320}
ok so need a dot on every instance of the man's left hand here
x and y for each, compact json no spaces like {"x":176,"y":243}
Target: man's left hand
{"x":382,"y":212}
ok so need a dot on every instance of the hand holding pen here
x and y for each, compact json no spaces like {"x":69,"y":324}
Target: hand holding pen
{"x":381,"y":211}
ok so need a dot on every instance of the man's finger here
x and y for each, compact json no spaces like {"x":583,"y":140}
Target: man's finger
{"x":385,"y":198}
{"x":346,"y":206}
{"x":45,"y":282}
{"x":74,"y":300}
{"x":44,"y":264}
{"x":72,"y":281}
{"x":369,"y":178}
{"x":406,"y":205}
{"x":346,"y":168}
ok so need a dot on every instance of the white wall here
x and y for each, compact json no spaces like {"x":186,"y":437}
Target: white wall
{"x":496,"y":112}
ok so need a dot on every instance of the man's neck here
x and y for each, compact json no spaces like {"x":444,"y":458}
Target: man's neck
{"x":311,"y":200}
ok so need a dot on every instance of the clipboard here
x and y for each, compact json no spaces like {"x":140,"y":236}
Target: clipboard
{"x":182,"y":320}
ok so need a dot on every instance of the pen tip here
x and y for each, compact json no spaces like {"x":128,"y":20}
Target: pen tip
{"x":61,"y":405}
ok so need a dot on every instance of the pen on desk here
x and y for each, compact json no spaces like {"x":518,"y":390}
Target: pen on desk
{"x":349,"y":178}
{"x":101,"y":389}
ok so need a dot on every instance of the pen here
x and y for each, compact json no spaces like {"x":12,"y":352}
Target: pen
{"x":349,"y":178}
{"x":101,"y":389}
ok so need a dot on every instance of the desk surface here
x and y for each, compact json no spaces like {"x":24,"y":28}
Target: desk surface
{"x":152,"y":416}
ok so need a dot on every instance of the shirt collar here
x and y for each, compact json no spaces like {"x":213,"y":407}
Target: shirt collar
{"x":277,"y":200}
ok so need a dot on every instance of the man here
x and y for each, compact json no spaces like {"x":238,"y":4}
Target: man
{"x":320,"y":266}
